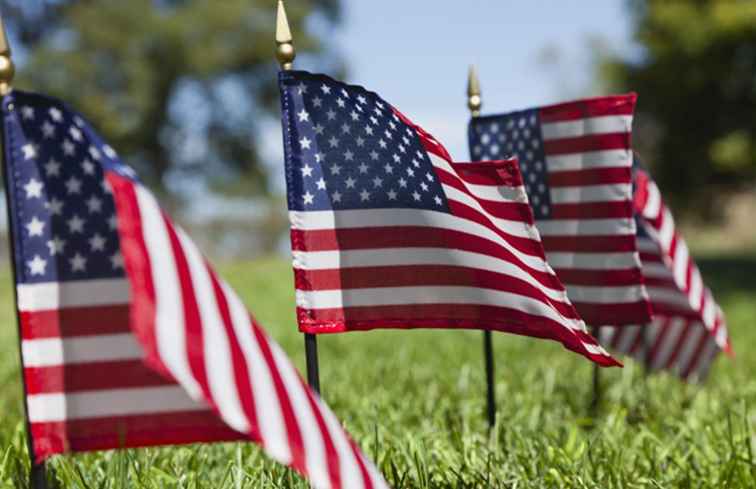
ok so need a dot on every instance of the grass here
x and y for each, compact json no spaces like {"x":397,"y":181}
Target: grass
{"x":415,"y":401}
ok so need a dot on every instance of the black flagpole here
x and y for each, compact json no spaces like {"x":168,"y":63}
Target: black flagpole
{"x":596,"y":399}
{"x":285,"y":54}
{"x":474,"y":103}
{"x":37,"y":471}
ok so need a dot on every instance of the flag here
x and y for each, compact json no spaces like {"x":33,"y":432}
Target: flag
{"x":129,"y":336}
{"x":388,"y":232}
{"x":576,"y":164}
{"x":688,"y":327}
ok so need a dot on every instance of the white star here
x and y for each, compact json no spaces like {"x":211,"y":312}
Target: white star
{"x":48,"y":130}
{"x":73,"y":185}
{"x":361,"y":99}
{"x":68,"y":148}
{"x":55,"y":206}
{"x":317,"y":102}
{"x":364,"y":195}
{"x":368,"y":130}
{"x":75,"y":224}
{"x":335,"y":169}
{"x":308,"y":198}
{"x":402,"y":183}
{"x":78,"y":263}
{"x":97,"y":243}
{"x":75,"y":133}
{"x":319,"y":129}
{"x":374,"y":121}
{"x":321,"y":184}
{"x":410,"y":172}
{"x":326,"y":89}
{"x":30,"y":151}
{"x":95,"y":153}
{"x":88,"y":167}
{"x":363,"y":167}
{"x":348,"y":155}
{"x":56,"y":246}
{"x":396,"y":157}
{"x":116,"y":260}
{"x":301,"y":88}
{"x":35,"y":227}
{"x":33,"y":188}
{"x":56,"y":114}
{"x":415,"y":195}
{"x":27,"y":112}
{"x":333,"y":142}
{"x":438,"y":200}
{"x":377,"y":182}
{"x":415,"y":163}
{"x":391,"y":194}
{"x":424,"y":186}
{"x":331,"y":114}
{"x":355,"y":116}
{"x":382,"y":143}
{"x":303,"y":115}
{"x":94,"y":204}
{"x":340,"y":102}
{"x":388,"y":168}
{"x":304,"y":143}
{"x":345,"y":129}
{"x":336,"y":197}
{"x":306,"y":170}
{"x":373,"y":155}
{"x":360,"y":142}
{"x":113,"y":222}
{"x":350,"y":182}
{"x":319,"y":157}
{"x":110,"y":152}
{"x":52,"y":168}
{"x":37,"y":265}
{"x":429,"y":177}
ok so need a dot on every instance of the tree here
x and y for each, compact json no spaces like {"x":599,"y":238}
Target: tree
{"x":696,"y":81}
{"x":178,"y":86}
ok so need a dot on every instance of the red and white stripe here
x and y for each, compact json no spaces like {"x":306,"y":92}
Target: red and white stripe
{"x":194,"y":328}
{"x":590,"y":236}
{"x":482,"y":266}
{"x":87,"y":385}
{"x":688,"y":327}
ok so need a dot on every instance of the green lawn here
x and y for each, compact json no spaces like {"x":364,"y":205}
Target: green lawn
{"x":415,"y":400}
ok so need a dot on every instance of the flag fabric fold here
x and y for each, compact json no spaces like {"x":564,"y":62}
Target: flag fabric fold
{"x":688,"y":328}
{"x":129,"y":336}
{"x":576,"y":163}
{"x":388,"y":232}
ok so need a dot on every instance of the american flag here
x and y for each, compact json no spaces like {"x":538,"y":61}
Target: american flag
{"x":129,"y":336}
{"x":387,"y":232}
{"x":688,"y":327}
{"x":576,"y":164}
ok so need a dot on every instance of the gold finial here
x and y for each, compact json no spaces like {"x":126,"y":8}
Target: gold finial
{"x":285,"y":52}
{"x":7,"y":69}
{"x":474,"y":101}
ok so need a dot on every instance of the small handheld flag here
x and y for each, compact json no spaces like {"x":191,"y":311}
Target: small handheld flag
{"x":388,"y":232}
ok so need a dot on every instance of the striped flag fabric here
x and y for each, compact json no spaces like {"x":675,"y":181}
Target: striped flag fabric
{"x":688,"y":328}
{"x":388,"y":232}
{"x":129,"y":336}
{"x":576,"y":163}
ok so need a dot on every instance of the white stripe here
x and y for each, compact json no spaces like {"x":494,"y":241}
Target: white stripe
{"x":606,"y":333}
{"x":591,"y":193}
{"x":675,"y":328}
{"x":668,"y":296}
{"x":499,"y":193}
{"x":693,"y":333}
{"x":593,"y":227}
{"x":709,"y":311}
{"x":667,"y":231}
{"x":216,"y":350}
{"x":681,"y":262}
{"x":656,"y":270}
{"x":314,"y":445}
{"x":708,"y":355}
{"x":653,"y":202}
{"x":604,"y":295}
{"x":605,"y":124}
{"x":45,"y":408}
{"x":58,"y":295}
{"x":325,"y":260}
{"x":629,"y":333}
{"x":647,"y":245}
{"x":47,"y":352}
{"x":696,"y":289}
{"x":395,"y":296}
{"x":169,"y":309}
{"x":592,"y":261}
{"x":349,"y":469}
{"x":611,"y":158}
{"x":267,"y":407}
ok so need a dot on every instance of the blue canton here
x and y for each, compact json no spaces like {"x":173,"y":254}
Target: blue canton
{"x":347,"y":149}
{"x":515,"y":134}
{"x":62,"y":211}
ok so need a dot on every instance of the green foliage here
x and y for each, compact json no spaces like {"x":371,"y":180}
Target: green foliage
{"x":415,"y":401}
{"x":696,"y":80}
{"x":176,"y":86}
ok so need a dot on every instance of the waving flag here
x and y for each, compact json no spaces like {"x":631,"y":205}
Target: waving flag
{"x":688,"y":327}
{"x":387,"y":232}
{"x":79,"y":218}
{"x":576,"y":164}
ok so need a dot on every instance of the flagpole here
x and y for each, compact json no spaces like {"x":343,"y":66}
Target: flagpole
{"x":285,"y":54}
{"x":596,"y":398}
{"x":474,"y":103}
{"x":37,"y":472}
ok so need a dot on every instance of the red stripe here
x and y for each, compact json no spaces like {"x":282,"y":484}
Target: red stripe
{"x":596,"y":244}
{"x":128,"y":431}
{"x":499,"y":173}
{"x":423,"y":275}
{"x":667,"y":283}
{"x":75,"y":321}
{"x":332,"y":456}
{"x":92,"y":376}
{"x":454,"y":316}
{"x":411,"y":237}
{"x":590,"y":107}
{"x":600,"y":278}
{"x":593,"y":210}
{"x":687,"y":329}
{"x":663,"y":331}
{"x":584,"y":144}
{"x":619,"y":314}
{"x":592,"y":176}
{"x":292,"y":426}
{"x":647,"y":257}
{"x":696,"y":357}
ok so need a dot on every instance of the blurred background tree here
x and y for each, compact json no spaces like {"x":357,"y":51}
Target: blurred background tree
{"x":179,"y":87}
{"x":696,"y":78}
